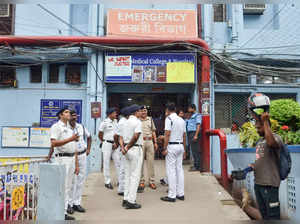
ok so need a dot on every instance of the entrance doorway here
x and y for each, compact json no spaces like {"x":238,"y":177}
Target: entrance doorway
{"x":156,"y":101}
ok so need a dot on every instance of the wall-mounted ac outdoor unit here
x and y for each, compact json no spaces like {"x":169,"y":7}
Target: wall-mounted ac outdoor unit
{"x":4,"y":10}
{"x":254,"y":9}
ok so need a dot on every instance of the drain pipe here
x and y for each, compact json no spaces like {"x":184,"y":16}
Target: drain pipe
{"x":223,"y":146}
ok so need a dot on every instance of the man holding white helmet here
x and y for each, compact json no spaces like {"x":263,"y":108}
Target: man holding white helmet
{"x":266,"y":171}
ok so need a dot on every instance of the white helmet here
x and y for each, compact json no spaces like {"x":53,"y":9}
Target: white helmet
{"x":259,"y":103}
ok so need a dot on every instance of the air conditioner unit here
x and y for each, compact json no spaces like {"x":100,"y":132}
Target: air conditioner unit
{"x":4,"y":10}
{"x":254,"y":9}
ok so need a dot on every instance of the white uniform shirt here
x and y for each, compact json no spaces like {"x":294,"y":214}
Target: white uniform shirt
{"x":83,"y":133}
{"x":60,"y":131}
{"x":133,"y":125}
{"x":176,"y":125}
{"x":109,"y":128}
{"x":121,"y":126}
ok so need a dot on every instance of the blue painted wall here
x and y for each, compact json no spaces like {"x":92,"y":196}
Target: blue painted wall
{"x":21,"y":106}
{"x":277,"y":26}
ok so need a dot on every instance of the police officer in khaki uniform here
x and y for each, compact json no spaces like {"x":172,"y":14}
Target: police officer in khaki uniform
{"x":149,"y":148}
{"x":63,"y":141}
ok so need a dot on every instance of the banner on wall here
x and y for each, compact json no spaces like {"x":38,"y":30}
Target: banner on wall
{"x":151,"y":68}
{"x":50,"y":107}
{"x":152,"y":23}
{"x":15,"y":137}
{"x":40,"y":138}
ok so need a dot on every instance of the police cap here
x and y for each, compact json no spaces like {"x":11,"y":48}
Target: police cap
{"x":111,"y":110}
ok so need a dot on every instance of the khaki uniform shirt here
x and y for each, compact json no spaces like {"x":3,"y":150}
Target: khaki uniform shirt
{"x":148,"y":127}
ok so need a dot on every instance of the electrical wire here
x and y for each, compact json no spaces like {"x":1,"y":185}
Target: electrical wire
{"x":60,"y":19}
{"x":237,"y":68}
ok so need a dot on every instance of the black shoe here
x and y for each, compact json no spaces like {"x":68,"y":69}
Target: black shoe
{"x":140,"y":189}
{"x":168,"y":199}
{"x":121,"y":193}
{"x":109,"y":186}
{"x":78,"y":208}
{"x":180,"y":198}
{"x":70,"y":210}
{"x":67,"y":217}
{"x":132,"y":206}
{"x":193,"y":169}
{"x":163,"y":182}
{"x":124,"y":204}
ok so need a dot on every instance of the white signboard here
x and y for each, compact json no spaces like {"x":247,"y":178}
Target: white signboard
{"x":116,"y":66}
{"x":40,"y":137}
{"x":15,"y":137}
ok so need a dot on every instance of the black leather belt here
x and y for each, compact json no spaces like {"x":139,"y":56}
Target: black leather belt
{"x":109,"y":141}
{"x":65,"y":154}
{"x":80,"y":153}
{"x":133,"y":145}
{"x":176,"y":143}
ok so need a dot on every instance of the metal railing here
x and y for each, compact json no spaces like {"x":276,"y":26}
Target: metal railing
{"x":19,"y":184}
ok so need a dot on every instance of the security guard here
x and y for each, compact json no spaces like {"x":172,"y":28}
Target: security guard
{"x":132,"y":149}
{"x":174,"y":149}
{"x":149,"y":148}
{"x":193,"y":129}
{"x":82,"y":152}
{"x":108,"y":137}
{"x":63,"y":140}
{"x":121,"y":128}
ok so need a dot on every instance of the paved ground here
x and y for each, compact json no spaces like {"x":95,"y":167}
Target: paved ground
{"x":205,"y":201}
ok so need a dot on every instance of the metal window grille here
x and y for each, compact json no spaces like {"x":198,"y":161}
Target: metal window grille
{"x":231,"y":108}
{"x":36,"y":74}
{"x":73,"y":74}
{"x":219,"y":12}
{"x":53,"y":73}
{"x":291,"y":192}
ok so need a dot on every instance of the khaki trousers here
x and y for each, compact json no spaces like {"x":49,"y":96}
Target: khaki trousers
{"x":148,"y":151}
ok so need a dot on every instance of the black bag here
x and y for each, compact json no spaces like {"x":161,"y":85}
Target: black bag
{"x":284,"y":162}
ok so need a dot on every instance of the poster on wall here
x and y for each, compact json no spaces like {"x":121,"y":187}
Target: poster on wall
{"x":40,"y":138}
{"x":152,"y":68}
{"x":15,"y":137}
{"x":50,"y":107}
{"x":118,"y":67}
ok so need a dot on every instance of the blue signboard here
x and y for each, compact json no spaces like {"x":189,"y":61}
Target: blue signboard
{"x":50,"y":107}
{"x":150,"y":68}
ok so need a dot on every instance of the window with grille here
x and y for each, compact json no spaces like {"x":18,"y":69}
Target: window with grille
{"x":276,"y":79}
{"x":4,"y":10}
{"x":73,"y":74}
{"x":7,"y":19}
{"x":232,"y":109}
{"x":7,"y":77}
{"x":219,"y":12}
{"x":255,"y":9}
{"x":36,"y":74}
{"x":53,"y":73}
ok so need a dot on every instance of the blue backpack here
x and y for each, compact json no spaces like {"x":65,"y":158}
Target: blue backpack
{"x":284,"y":162}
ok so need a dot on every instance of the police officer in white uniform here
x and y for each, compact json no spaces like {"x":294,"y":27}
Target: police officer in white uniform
{"x":121,"y":128}
{"x":132,"y":149}
{"x":63,"y":140}
{"x":109,"y":139}
{"x":83,"y":150}
{"x":174,"y":149}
